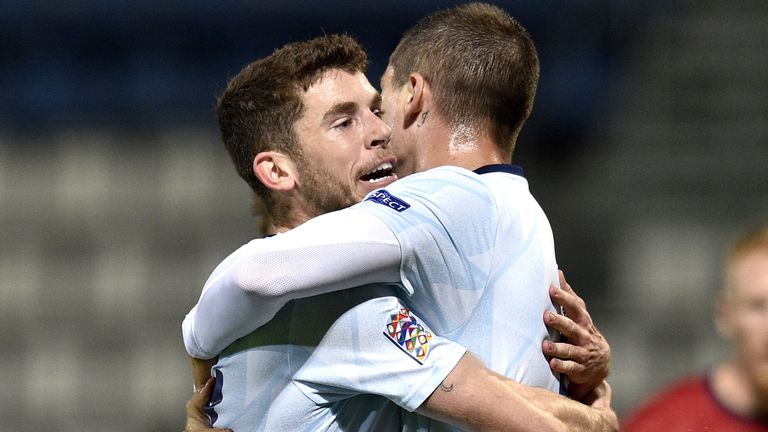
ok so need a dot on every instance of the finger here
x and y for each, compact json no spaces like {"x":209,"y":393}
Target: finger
{"x":566,"y":327}
{"x":567,"y":367}
{"x":197,"y":426}
{"x":565,"y":286}
{"x":573,"y":305}
{"x":565,"y":351}
{"x":607,"y":389}
{"x":197,"y":421}
{"x":204,"y":393}
{"x":602,"y":394}
{"x":564,"y":283}
{"x":198,"y":400}
{"x":202,"y":427}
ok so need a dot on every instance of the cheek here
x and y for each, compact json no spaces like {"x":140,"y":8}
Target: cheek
{"x":401,"y":146}
{"x":342,"y":152}
{"x":751,"y":331}
{"x":396,"y":144}
{"x":404,"y":154}
{"x":388,"y":117}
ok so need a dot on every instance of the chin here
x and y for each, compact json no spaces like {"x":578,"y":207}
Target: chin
{"x":759,"y":376}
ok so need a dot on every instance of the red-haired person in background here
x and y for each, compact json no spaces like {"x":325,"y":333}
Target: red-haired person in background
{"x":734,"y":395}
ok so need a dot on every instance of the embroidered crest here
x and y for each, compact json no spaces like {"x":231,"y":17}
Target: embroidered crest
{"x":383,"y":197}
{"x":405,"y":331}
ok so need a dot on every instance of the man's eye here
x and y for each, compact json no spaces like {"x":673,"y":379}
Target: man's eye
{"x":344,"y":123}
{"x":378,"y":112}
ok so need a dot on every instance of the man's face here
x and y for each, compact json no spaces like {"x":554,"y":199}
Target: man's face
{"x":747,"y":314}
{"x":345,"y":144}
{"x":393,"y":104}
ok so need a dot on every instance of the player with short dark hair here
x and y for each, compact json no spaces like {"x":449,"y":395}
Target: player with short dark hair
{"x":481,"y":64}
{"x":494,"y":198}
{"x":258,"y":112}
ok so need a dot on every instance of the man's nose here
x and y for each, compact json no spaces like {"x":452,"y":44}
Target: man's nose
{"x":379,"y":133}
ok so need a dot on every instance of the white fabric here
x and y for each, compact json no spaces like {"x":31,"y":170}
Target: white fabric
{"x":327,"y":253}
{"x":477,"y":260}
{"x":308,"y":367}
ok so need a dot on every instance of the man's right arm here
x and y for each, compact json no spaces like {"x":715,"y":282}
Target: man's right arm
{"x":474,"y":397}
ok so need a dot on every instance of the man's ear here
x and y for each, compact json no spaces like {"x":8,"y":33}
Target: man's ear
{"x":419,"y":99}
{"x":275,"y":170}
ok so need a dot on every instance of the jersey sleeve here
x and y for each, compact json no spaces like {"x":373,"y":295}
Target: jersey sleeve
{"x":445,"y":221}
{"x":332,"y":252}
{"x":418,"y":235}
{"x":379,"y":346}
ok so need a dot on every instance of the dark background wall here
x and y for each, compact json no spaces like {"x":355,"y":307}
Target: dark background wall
{"x":647,"y":148}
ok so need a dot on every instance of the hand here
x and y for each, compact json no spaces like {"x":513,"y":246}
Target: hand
{"x":599,"y":398}
{"x":197,"y":421}
{"x":586,"y":356}
{"x":201,"y":371}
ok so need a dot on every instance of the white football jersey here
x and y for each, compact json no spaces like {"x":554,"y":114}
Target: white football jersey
{"x":472,"y":252}
{"x":318,"y":364}
{"x":477,"y":261}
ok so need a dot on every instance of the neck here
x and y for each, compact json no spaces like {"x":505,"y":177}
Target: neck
{"x":734,"y":389}
{"x":467,"y":147}
{"x":276,"y":229}
{"x":286,"y":214}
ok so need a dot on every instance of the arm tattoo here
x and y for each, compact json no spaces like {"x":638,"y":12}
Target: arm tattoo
{"x":423,"y":119}
{"x":446,"y":388}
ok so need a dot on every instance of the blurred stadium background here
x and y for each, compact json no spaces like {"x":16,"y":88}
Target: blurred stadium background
{"x":648,"y":148}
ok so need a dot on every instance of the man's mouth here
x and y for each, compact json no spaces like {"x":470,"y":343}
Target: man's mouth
{"x":378,"y":174}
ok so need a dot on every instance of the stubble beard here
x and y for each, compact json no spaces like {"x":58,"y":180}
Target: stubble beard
{"x":323,"y":192}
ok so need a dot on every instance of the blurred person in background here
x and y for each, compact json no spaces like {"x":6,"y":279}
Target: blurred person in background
{"x":733,"y":396}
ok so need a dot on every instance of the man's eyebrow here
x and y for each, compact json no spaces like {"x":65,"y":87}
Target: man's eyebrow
{"x":376,"y":100}
{"x":348,"y":108}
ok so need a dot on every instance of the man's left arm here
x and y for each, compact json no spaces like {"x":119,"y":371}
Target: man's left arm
{"x":476,"y":398}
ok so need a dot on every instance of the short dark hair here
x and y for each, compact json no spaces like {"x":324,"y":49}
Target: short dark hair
{"x":260,"y":105}
{"x":481,"y":63}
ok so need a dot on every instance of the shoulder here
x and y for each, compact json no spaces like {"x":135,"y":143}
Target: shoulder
{"x":438,"y":186}
{"x":437,"y":178}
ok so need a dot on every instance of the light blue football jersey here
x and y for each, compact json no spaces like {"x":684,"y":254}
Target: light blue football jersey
{"x":477,"y":260}
{"x":319,"y":364}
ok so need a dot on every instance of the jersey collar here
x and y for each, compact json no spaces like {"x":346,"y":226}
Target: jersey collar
{"x":507,"y":168}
